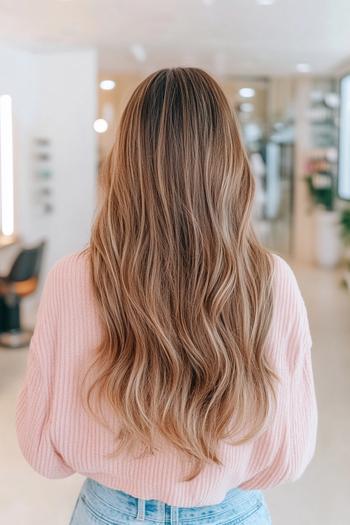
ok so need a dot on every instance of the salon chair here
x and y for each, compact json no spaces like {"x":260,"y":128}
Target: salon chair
{"x":21,"y":281}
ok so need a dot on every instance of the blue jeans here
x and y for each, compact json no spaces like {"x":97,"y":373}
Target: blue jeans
{"x":100,"y":505}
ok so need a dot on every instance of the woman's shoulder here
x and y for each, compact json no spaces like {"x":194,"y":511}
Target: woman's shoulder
{"x":69,"y":272}
{"x":289,"y":306}
{"x":72,"y":262}
{"x":283,"y":274}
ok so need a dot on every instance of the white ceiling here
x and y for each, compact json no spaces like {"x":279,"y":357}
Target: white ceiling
{"x":228,"y":36}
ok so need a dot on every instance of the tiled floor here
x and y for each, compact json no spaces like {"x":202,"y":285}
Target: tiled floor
{"x":321,"y":497}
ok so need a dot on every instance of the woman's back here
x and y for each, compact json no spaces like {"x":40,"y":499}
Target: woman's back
{"x":59,"y":438}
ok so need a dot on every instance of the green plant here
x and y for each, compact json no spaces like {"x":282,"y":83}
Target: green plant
{"x":345,"y":225}
{"x":321,"y":189}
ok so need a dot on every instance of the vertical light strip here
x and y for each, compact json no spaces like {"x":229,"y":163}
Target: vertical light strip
{"x":344,"y":140}
{"x":6,"y":164}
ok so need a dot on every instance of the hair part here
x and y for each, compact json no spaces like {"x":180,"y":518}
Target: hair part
{"x":182,"y":285}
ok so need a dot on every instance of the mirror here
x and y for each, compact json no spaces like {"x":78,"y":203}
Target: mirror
{"x":344,"y":139}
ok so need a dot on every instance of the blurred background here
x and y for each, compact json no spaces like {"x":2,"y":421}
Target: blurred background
{"x":67,"y":69}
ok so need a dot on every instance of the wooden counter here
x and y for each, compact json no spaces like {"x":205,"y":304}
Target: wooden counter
{"x":7,"y":240}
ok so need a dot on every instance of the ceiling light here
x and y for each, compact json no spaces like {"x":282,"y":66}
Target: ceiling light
{"x":100,"y":125}
{"x":208,"y":2}
{"x":265,"y":2}
{"x":246,"y":107}
{"x":247,"y":92}
{"x":107,"y":85}
{"x":303,"y":68}
{"x":139,"y":52}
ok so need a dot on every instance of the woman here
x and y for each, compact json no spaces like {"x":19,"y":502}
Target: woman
{"x":171,"y":359}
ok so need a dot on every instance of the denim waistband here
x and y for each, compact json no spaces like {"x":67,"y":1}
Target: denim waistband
{"x":237,"y":502}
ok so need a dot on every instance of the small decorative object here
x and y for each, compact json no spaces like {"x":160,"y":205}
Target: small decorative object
{"x":331,"y":100}
{"x":42,"y":174}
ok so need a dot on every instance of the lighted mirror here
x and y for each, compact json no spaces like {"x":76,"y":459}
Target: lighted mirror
{"x":344,"y":139}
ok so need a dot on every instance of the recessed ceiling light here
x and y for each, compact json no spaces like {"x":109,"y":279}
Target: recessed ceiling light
{"x":100,"y":125}
{"x":107,"y":85}
{"x":208,"y":2}
{"x":247,"y":92}
{"x":265,"y":2}
{"x":139,"y":52}
{"x":303,"y":68}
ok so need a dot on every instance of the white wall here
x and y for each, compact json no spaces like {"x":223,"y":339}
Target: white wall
{"x":54,"y":96}
{"x":303,"y":220}
{"x":65,"y":98}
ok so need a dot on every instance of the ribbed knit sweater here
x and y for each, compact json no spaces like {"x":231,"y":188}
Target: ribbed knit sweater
{"x":58,"y":438}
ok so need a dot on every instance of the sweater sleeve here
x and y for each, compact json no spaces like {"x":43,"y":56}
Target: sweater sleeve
{"x":297,"y":439}
{"x":34,"y":399}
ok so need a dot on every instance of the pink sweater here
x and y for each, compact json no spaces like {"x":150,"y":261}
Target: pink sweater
{"x":58,"y":438}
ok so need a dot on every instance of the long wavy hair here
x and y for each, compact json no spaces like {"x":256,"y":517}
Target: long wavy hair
{"x":183,"y":286}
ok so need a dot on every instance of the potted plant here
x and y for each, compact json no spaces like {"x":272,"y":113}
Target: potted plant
{"x":327,"y":243}
{"x":345,"y":233}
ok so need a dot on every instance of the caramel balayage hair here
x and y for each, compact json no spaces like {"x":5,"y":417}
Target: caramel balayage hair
{"x":182,"y":285}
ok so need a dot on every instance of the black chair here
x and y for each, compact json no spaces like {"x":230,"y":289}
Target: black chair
{"x":22,"y":280}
